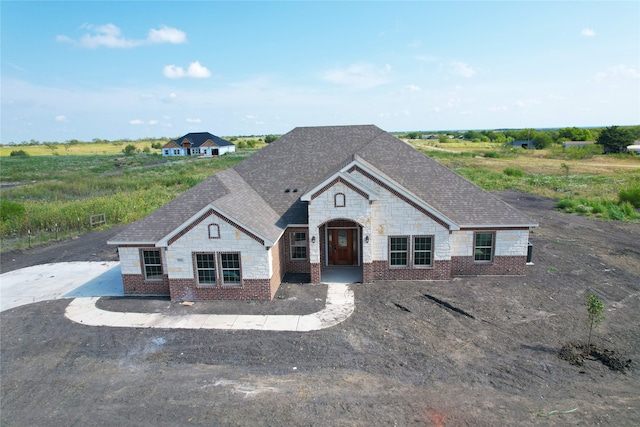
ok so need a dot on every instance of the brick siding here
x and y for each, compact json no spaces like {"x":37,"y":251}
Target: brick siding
{"x":315,"y":272}
{"x":294,"y":265}
{"x":379,"y":270}
{"x":135,"y":284}
{"x":501,"y":266}
{"x":251,"y":289}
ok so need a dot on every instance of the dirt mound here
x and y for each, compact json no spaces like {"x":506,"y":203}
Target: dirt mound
{"x":577,"y":354}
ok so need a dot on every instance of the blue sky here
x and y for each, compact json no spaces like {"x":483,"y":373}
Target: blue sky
{"x":109,"y":70}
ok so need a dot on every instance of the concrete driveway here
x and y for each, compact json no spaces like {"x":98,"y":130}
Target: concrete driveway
{"x":60,"y":280}
{"x":86,"y":282}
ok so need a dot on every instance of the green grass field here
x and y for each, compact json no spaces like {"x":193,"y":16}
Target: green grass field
{"x":46,"y":196}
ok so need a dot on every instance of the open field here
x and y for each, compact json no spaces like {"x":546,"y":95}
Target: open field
{"x":400,"y":359}
{"x":57,"y":193}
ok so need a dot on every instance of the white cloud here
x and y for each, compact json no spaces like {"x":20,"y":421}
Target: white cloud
{"x":194,"y":121}
{"x":195,"y":70}
{"x":173,"y":72}
{"x":413,"y":88}
{"x":359,"y":76}
{"x":462,"y":69}
{"x":617,"y":72}
{"x":167,"y":35}
{"x":198,"y":71}
{"x":61,"y":119}
{"x":153,"y":122}
{"x":109,"y":35}
{"x":136,"y":122}
{"x":588,"y":32}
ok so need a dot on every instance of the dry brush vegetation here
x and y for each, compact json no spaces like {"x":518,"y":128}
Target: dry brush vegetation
{"x":50,"y":193}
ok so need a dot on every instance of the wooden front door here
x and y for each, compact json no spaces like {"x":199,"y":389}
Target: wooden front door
{"x":342,"y":247}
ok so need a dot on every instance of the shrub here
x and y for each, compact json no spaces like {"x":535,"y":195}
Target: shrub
{"x":9,"y":209}
{"x":19,"y":153}
{"x":493,"y":155}
{"x":146,"y":150}
{"x":631,"y":195}
{"x":129,"y":149}
{"x":513,"y":172}
{"x":566,"y":204}
{"x":270,"y":138}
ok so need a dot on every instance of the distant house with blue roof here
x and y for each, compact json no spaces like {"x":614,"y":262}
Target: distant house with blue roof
{"x":198,"y":144}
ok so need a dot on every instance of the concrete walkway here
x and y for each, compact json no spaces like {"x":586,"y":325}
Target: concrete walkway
{"x":88,"y":281}
{"x":339,"y":306}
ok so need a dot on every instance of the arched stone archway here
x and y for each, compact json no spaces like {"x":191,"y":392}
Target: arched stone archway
{"x":341,"y":251}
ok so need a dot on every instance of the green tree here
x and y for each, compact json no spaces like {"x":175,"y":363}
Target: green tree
{"x":270,"y":138}
{"x":595,"y":308}
{"x":51,"y":146}
{"x":129,"y":150}
{"x":442,"y":138}
{"x":472,"y":135}
{"x":615,"y":139}
{"x":541,"y":140}
{"x":413,"y":135}
{"x":575,"y":134}
{"x":70,"y":144}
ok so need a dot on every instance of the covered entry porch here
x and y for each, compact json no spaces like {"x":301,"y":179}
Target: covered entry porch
{"x":341,"y":247}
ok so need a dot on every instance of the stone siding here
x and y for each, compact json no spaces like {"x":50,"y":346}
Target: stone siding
{"x":253,"y":255}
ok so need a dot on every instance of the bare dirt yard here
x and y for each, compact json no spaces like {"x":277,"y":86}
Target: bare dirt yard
{"x":474,"y":351}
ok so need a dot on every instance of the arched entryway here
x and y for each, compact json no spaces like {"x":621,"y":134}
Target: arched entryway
{"x":341,"y":251}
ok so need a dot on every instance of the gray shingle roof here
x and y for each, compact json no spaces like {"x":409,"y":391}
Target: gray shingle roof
{"x":198,"y":138}
{"x":263,"y":192}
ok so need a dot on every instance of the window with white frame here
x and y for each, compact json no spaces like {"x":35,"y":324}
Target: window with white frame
{"x":423,"y":251}
{"x":152,"y":264}
{"x":166,"y":152}
{"x":176,"y":151}
{"x":398,"y":251}
{"x":298,"y":245}
{"x":206,"y":268}
{"x":483,"y":246}
{"x":230,"y":266}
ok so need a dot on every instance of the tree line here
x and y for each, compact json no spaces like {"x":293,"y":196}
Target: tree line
{"x":613,"y":139}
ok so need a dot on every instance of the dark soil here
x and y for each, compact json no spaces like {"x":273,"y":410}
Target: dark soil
{"x":473,"y":351}
{"x":577,"y":354}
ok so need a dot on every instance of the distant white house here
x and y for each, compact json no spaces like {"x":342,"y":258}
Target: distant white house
{"x":198,"y":144}
{"x":635,"y":148}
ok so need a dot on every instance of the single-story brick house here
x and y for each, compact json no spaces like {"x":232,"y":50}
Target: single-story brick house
{"x":198,"y":144}
{"x":317,"y":198}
